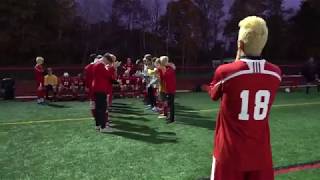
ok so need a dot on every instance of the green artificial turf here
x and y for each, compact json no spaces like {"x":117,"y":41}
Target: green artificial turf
{"x":143,"y":147}
{"x":313,"y":174}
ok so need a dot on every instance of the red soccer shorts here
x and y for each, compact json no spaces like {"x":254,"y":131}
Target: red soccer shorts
{"x":223,"y":172}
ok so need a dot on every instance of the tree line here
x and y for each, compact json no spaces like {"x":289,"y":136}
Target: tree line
{"x":191,"y":32}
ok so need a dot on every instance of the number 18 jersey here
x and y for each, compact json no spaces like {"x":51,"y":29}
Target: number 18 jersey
{"x":247,"y":89}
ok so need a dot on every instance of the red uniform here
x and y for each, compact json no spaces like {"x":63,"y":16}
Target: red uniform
{"x":65,"y":87}
{"x":169,"y":79}
{"x":127,"y":85}
{"x":102,"y":85}
{"x":78,"y":85}
{"x":66,"y":82}
{"x":38,"y":71}
{"x":102,"y":78}
{"x":110,"y":91}
{"x":88,"y":71}
{"x":129,"y":67}
{"x":78,"y":82}
{"x":242,"y":148}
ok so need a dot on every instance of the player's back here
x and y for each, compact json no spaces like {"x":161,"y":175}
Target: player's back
{"x":88,"y":71}
{"x":242,"y":133}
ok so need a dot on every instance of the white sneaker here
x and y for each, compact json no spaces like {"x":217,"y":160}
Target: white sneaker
{"x":106,"y":130}
{"x":162,"y":116}
{"x":97,"y":128}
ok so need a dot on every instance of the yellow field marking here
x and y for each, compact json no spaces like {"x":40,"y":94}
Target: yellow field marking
{"x":132,"y":115}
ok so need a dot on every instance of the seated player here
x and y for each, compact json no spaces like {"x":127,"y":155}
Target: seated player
{"x":51,"y":83}
{"x":128,"y":67}
{"x":79,"y":86}
{"x":65,"y":89}
{"x":127,"y":85}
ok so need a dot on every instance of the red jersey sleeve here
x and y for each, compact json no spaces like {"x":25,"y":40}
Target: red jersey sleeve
{"x":215,"y":87}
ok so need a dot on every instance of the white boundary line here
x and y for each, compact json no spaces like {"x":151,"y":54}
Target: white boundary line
{"x":90,"y":118}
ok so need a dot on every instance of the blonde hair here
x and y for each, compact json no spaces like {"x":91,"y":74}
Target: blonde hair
{"x":164,"y":60}
{"x":158,"y":61}
{"x":114,"y":58}
{"x":254,"y":34}
{"x":39,"y":60}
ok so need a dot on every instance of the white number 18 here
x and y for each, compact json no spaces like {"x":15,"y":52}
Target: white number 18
{"x":262,"y":99}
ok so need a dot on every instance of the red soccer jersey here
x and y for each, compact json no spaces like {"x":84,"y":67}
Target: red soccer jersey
{"x":102,"y":78}
{"x":128,"y":80}
{"x":129,"y":67}
{"x":247,"y":89}
{"x":88,"y":71}
{"x":169,"y":79}
{"x":113,"y":74}
{"x":38,"y":72}
{"x":66,"y":82}
{"x":78,"y":81}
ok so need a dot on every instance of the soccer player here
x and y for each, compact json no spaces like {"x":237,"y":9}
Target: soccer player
{"x":150,"y":80}
{"x":88,"y":73}
{"x":51,"y":83}
{"x":247,"y":89}
{"x":39,"y":76}
{"x":113,"y":69}
{"x":128,"y":67}
{"x":161,"y":84}
{"x":65,"y":86}
{"x":101,"y":84}
{"x":169,"y":79}
{"x":78,"y":86}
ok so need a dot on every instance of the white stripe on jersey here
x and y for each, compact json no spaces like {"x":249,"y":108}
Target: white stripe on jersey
{"x":255,"y":66}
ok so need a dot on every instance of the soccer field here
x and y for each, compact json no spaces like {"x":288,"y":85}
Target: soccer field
{"x":59,"y":141}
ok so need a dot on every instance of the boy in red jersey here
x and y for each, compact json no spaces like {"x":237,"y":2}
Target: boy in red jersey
{"x":247,"y":88}
{"x":88,"y":73}
{"x":39,"y":76}
{"x":169,"y":79}
{"x":113,"y":69}
{"x":101,"y":84}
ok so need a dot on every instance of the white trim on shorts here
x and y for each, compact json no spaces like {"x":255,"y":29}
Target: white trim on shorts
{"x":213,"y":167}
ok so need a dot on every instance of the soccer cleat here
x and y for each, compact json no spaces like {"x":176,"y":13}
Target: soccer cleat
{"x":154,"y":109}
{"x":106,"y":130}
{"x":169,"y":122}
{"x":161,"y":116}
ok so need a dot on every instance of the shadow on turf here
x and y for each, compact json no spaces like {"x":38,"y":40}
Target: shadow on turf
{"x":143,"y":133}
{"x":184,"y":116}
{"x":57,"y":105}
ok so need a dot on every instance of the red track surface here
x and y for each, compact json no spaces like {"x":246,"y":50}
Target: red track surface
{"x":299,"y":167}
